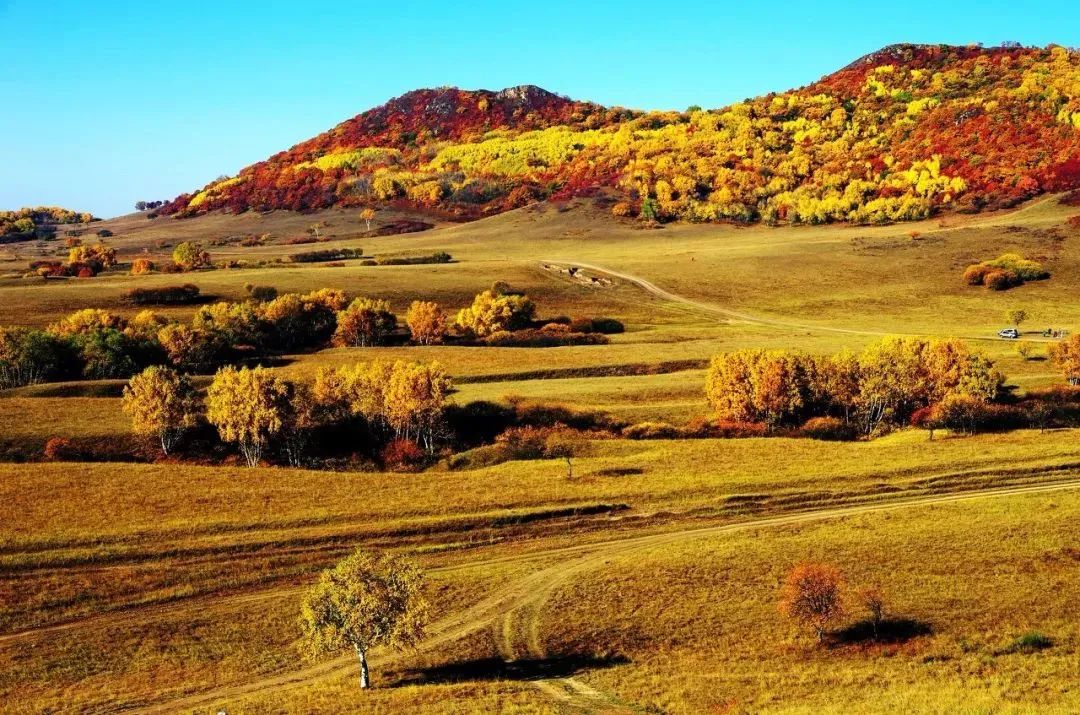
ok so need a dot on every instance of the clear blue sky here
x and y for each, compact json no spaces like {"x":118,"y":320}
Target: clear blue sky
{"x":108,"y":102}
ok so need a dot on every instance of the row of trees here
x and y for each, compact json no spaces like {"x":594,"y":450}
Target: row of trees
{"x":885,"y":384}
{"x":258,"y":410}
{"x":96,"y":344}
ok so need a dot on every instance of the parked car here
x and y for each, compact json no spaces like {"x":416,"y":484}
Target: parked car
{"x":1009,"y":333}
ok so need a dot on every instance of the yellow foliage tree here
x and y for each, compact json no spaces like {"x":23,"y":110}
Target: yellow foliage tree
{"x":493,"y":312}
{"x":366,"y":600}
{"x":426,"y":322}
{"x":365,"y":322}
{"x":249,"y":407}
{"x":162,"y":403}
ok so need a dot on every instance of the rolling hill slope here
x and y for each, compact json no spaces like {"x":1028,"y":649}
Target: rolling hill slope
{"x":899,"y":134}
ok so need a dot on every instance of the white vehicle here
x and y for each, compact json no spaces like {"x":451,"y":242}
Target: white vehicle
{"x":1009,"y":333}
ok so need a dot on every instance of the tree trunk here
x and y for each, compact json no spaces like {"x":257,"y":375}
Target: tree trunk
{"x":365,"y":678}
{"x":569,"y":468}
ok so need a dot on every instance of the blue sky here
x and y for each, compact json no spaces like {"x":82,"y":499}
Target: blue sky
{"x":107,"y":102}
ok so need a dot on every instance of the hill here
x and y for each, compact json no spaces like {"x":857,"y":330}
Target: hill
{"x":899,"y":134}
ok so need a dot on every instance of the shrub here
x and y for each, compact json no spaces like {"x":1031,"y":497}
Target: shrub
{"x":1005,"y":271}
{"x":141,"y":266}
{"x":438,"y":257}
{"x":975,"y":275}
{"x":1031,"y":642}
{"x":543,"y":338}
{"x":187,"y":294}
{"x":59,"y":449}
{"x":652,"y":430}
{"x":261,"y":294}
{"x":1001,"y":280}
{"x":403,"y":455}
{"x":190,"y":256}
{"x":338,"y":254}
{"x":830,"y":429}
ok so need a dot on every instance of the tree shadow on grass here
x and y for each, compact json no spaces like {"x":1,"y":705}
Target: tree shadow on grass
{"x":485,"y":669}
{"x":889,"y":631}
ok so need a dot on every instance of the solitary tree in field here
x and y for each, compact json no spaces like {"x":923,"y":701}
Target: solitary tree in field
{"x":367,"y":215}
{"x":563,"y":444}
{"x":426,"y":322}
{"x":1015,"y":317}
{"x":249,"y":407}
{"x":367,"y":600}
{"x":811,"y":596}
{"x":161,"y":402}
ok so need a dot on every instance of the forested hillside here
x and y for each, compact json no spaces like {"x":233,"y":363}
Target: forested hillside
{"x":897,"y":135}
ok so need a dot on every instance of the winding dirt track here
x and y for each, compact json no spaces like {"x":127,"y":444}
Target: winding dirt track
{"x":741,"y":316}
{"x":523,"y":599}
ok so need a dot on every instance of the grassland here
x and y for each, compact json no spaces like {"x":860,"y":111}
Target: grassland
{"x":175,"y":587}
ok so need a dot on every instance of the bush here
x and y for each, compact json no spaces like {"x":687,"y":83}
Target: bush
{"x":967,"y":415}
{"x":437,"y":257}
{"x":190,"y":256}
{"x":1005,"y":271}
{"x":830,"y":429}
{"x":403,"y":455}
{"x":1001,"y":280}
{"x":59,"y":449}
{"x":187,"y":294}
{"x":975,"y":275}
{"x":338,"y":254}
{"x":652,"y":430}
{"x":543,"y":338}
{"x":141,"y":266}
{"x":261,"y":294}
{"x":606,"y":326}
{"x":1031,"y":642}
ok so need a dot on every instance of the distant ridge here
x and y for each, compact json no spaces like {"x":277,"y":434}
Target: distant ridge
{"x":900,"y":133}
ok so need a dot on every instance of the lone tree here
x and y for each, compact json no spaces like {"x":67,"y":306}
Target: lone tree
{"x":367,"y":600}
{"x":161,"y":402}
{"x":249,"y":407}
{"x":1015,"y":317}
{"x":367,"y":215}
{"x":811,"y":596}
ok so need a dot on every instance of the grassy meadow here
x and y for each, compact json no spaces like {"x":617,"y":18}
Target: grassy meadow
{"x":646,"y":582}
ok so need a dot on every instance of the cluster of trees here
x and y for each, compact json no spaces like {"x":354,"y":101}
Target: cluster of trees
{"x":261,"y":412}
{"x":892,"y":137}
{"x":38,"y":221}
{"x":1004,"y":272}
{"x":884,"y":385}
{"x":96,"y":344}
{"x":83,"y":261}
{"x":148,"y":205}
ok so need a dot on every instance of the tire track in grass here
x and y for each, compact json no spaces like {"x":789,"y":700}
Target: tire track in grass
{"x":532,"y":590}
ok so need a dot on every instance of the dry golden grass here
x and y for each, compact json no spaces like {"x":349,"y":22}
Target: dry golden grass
{"x":179,"y":579}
